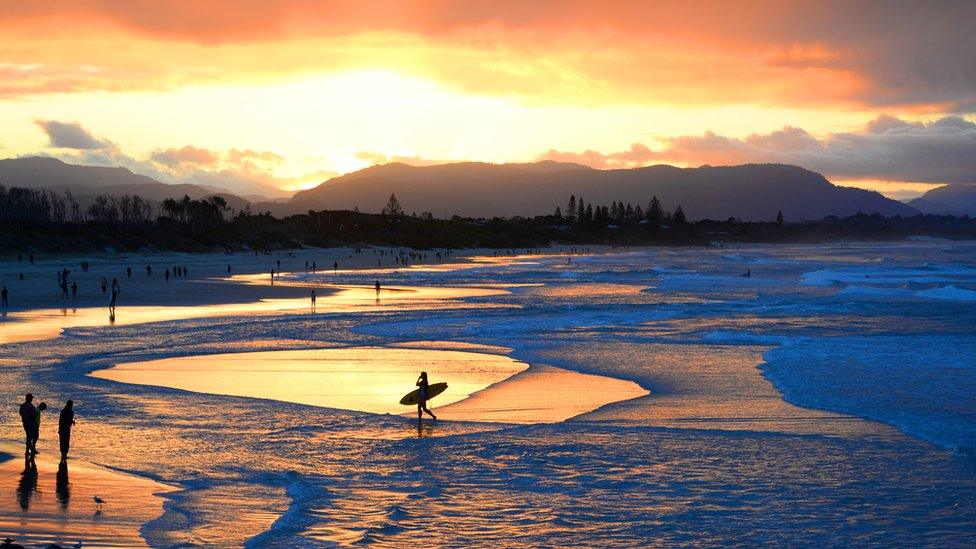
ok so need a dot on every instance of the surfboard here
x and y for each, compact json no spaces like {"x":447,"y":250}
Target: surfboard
{"x":413,"y":397}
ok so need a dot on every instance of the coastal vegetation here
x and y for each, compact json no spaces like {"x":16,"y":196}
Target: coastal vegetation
{"x":43,"y":220}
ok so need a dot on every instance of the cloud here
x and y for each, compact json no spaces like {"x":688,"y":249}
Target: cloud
{"x":70,"y":135}
{"x":871,"y":52}
{"x":186,"y":155}
{"x":887,"y":148}
{"x":374,"y":158}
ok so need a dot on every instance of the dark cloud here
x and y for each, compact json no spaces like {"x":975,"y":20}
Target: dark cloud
{"x":70,"y":135}
{"x":888,"y":148}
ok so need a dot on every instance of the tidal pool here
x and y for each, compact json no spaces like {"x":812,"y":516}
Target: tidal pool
{"x":373,"y":379}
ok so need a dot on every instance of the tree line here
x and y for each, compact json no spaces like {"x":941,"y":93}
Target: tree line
{"x":580,"y":211}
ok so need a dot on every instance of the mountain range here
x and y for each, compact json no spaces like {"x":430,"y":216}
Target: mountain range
{"x":473,"y":189}
{"x":751,"y":192}
{"x":956,"y":199}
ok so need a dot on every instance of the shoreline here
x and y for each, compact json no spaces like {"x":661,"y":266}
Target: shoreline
{"x":70,"y":515}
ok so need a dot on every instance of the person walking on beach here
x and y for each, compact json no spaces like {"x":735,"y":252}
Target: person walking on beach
{"x":422,"y":400}
{"x":313,"y":300}
{"x":3,"y":297}
{"x":28,"y":418}
{"x":65,"y":421}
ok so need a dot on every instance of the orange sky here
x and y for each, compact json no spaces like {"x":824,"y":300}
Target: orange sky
{"x":264,"y":95}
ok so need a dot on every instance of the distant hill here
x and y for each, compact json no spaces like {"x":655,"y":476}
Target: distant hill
{"x":955,"y":199}
{"x":50,"y":173}
{"x":87,"y":182}
{"x":750,"y":192}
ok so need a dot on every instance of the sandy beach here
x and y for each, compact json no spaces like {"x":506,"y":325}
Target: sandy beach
{"x":648,"y":378}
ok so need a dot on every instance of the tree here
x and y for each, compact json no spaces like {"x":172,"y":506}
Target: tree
{"x":655,"y":214}
{"x":580,"y":210}
{"x":679,"y":216}
{"x":571,"y":207}
{"x":392,"y":207}
{"x":558,"y":213}
{"x":779,"y":217}
{"x":588,"y":213}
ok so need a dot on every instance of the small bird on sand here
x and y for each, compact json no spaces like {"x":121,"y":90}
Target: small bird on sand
{"x":98,"y":501}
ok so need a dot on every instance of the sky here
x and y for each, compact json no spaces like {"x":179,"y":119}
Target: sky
{"x":271,"y":97}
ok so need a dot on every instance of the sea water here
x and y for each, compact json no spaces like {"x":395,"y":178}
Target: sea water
{"x":825,"y":398}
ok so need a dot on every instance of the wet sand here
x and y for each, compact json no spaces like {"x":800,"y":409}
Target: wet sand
{"x":483,"y":387}
{"x":51,"y":502}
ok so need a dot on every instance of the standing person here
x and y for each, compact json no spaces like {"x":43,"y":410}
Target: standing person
{"x":313,"y":300}
{"x":167,"y":275}
{"x":377,"y":287}
{"x":128,"y":272}
{"x":37,"y":426}
{"x":65,"y":421}
{"x":335,"y":267}
{"x":422,"y":401}
{"x":74,"y":290}
{"x":3,"y":297}
{"x":28,"y":417}
{"x":104,"y":285}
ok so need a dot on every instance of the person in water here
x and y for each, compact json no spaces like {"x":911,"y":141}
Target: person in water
{"x":36,"y":433}
{"x":65,"y":421}
{"x":28,"y":417}
{"x":422,"y":400}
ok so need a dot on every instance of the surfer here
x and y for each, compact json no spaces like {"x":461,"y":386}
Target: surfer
{"x":422,"y":401}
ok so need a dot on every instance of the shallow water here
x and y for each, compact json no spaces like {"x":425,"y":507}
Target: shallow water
{"x":772,"y":401}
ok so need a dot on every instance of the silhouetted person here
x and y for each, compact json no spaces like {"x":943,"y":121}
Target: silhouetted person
{"x":62,"y":487}
{"x":335,"y":267}
{"x":228,"y":269}
{"x":112,"y":301}
{"x":148,"y":270}
{"x":36,"y":433}
{"x":272,"y":277}
{"x":313,"y":299}
{"x":104,"y":286}
{"x":128,"y":272}
{"x":74,"y":290}
{"x":314,"y":267}
{"x":422,"y":399}
{"x":28,"y":417}
{"x":377,"y":284}
{"x":3,"y":297}
{"x":65,"y":421}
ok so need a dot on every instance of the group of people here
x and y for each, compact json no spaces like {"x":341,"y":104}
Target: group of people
{"x":30,"y":418}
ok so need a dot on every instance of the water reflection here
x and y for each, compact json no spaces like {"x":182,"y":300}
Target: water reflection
{"x":28,"y":482}
{"x":47,"y":323}
{"x":63,"y":489}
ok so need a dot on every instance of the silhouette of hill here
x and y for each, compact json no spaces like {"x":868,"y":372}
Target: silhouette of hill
{"x":471,"y":189}
{"x":50,"y":173}
{"x":955,"y":199}
{"x":87,"y":182}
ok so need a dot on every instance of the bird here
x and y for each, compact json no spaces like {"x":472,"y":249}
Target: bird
{"x":98,"y":501}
